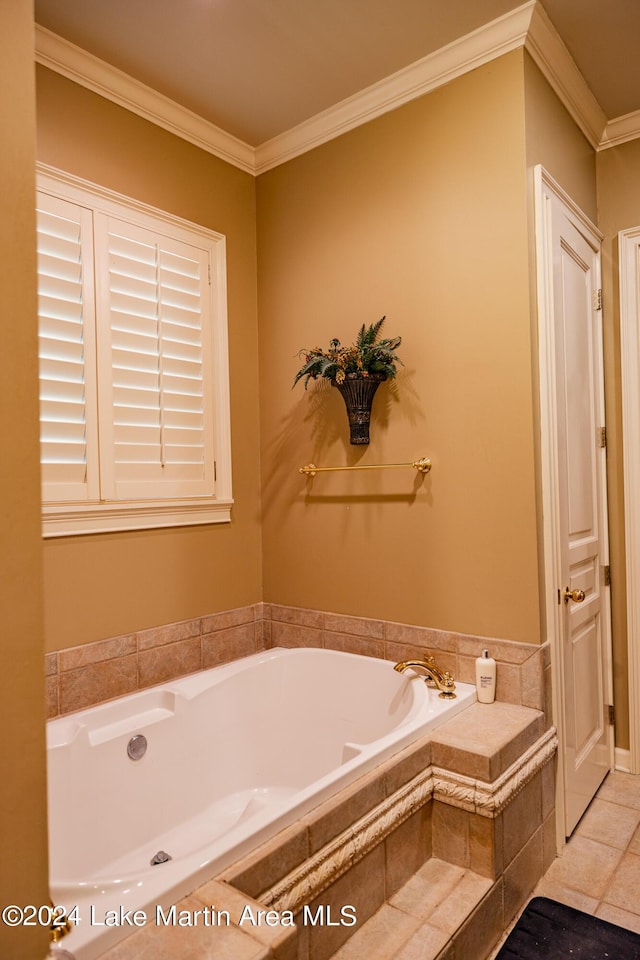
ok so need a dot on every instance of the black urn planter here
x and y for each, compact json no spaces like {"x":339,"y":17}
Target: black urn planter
{"x":358,"y":393}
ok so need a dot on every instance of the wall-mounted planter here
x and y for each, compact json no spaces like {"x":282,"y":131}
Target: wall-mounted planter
{"x":357,"y":371}
{"x":358,"y":393}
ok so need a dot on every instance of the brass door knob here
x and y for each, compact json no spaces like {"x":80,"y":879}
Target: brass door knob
{"x":576,"y":595}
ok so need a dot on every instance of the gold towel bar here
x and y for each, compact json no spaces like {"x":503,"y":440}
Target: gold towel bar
{"x":423,"y":466}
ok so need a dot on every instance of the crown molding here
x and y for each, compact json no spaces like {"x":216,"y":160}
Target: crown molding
{"x":621,"y":130}
{"x":83,"y":68}
{"x":489,"y":42}
{"x":527,"y":26}
{"x":548,"y":51}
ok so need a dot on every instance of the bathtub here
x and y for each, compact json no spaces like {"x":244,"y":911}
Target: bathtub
{"x":233,"y":755}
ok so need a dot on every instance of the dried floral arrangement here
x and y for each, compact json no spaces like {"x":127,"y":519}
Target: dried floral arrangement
{"x":369,"y":356}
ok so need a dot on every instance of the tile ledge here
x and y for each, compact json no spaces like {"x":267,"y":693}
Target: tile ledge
{"x":489,"y":799}
{"x":508,"y":721}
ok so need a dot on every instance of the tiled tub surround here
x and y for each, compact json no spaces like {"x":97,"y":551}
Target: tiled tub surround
{"x":437,"y":849}
{"x":236,"y":754}
{"x":83,"y":676}
{"x":486,"y":861}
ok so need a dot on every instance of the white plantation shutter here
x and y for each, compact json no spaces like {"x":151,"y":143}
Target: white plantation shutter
{"x":133,"y":364}
{"x":66,"y":350}
{"x":155,"y":411}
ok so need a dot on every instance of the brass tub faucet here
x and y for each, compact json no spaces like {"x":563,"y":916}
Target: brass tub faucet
{"x":435,"y":676}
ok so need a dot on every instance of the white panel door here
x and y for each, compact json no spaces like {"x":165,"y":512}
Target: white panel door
{"x":584,"y":632}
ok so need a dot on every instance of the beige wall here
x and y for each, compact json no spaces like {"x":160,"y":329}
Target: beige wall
{"x":420,"y":215}
{"x":106,"y":585}
{"x":612,"y":200}
{"x":23,"y":877}
{"x":619,"y":209}
{"x":555,"y":141}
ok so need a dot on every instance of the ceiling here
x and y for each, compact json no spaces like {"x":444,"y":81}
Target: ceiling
{"x":258,"y":68}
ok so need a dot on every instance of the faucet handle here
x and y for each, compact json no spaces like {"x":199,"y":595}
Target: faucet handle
{"x":431,"y":660}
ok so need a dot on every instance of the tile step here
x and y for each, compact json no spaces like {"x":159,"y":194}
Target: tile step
{"x":422,"y":918}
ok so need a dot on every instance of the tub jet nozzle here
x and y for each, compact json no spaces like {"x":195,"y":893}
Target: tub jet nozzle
{"x":137,"y":746}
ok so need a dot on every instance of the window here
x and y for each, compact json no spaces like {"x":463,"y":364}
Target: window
{"x":133,"y":364}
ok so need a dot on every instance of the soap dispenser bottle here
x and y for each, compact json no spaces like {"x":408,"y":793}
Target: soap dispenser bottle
{"x":486,"y":678}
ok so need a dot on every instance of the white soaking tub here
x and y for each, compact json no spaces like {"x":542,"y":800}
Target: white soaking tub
{"x":233,"y":755}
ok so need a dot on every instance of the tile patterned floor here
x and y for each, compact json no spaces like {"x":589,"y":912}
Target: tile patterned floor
{"x":600,"y":869}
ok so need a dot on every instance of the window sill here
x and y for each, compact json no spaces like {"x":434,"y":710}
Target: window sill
{"x":79,"y":519}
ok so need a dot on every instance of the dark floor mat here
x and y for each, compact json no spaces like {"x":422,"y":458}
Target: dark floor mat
{"x":551,"y":931}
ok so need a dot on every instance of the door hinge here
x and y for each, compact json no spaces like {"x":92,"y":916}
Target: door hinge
{"x":209,"y":273}
{"x":215,"y":470}
{"x":607,"y":575}
{"x":597,"y":299}
{"x":612,"y":713}
{"x":603,"y":436}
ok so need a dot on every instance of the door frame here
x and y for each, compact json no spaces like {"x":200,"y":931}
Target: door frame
{"x":629,"y":252}
{"x":547,"y":191}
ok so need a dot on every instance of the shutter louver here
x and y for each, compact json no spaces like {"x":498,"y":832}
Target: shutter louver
{"x":65,"y":348}
{"x":182,"y":360}
{"x":157,"y":414}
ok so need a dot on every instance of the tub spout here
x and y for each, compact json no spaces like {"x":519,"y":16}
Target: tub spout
{"x":437,"y":677}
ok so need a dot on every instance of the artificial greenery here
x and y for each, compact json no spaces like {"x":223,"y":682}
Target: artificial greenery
{"x":370,"y":354}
